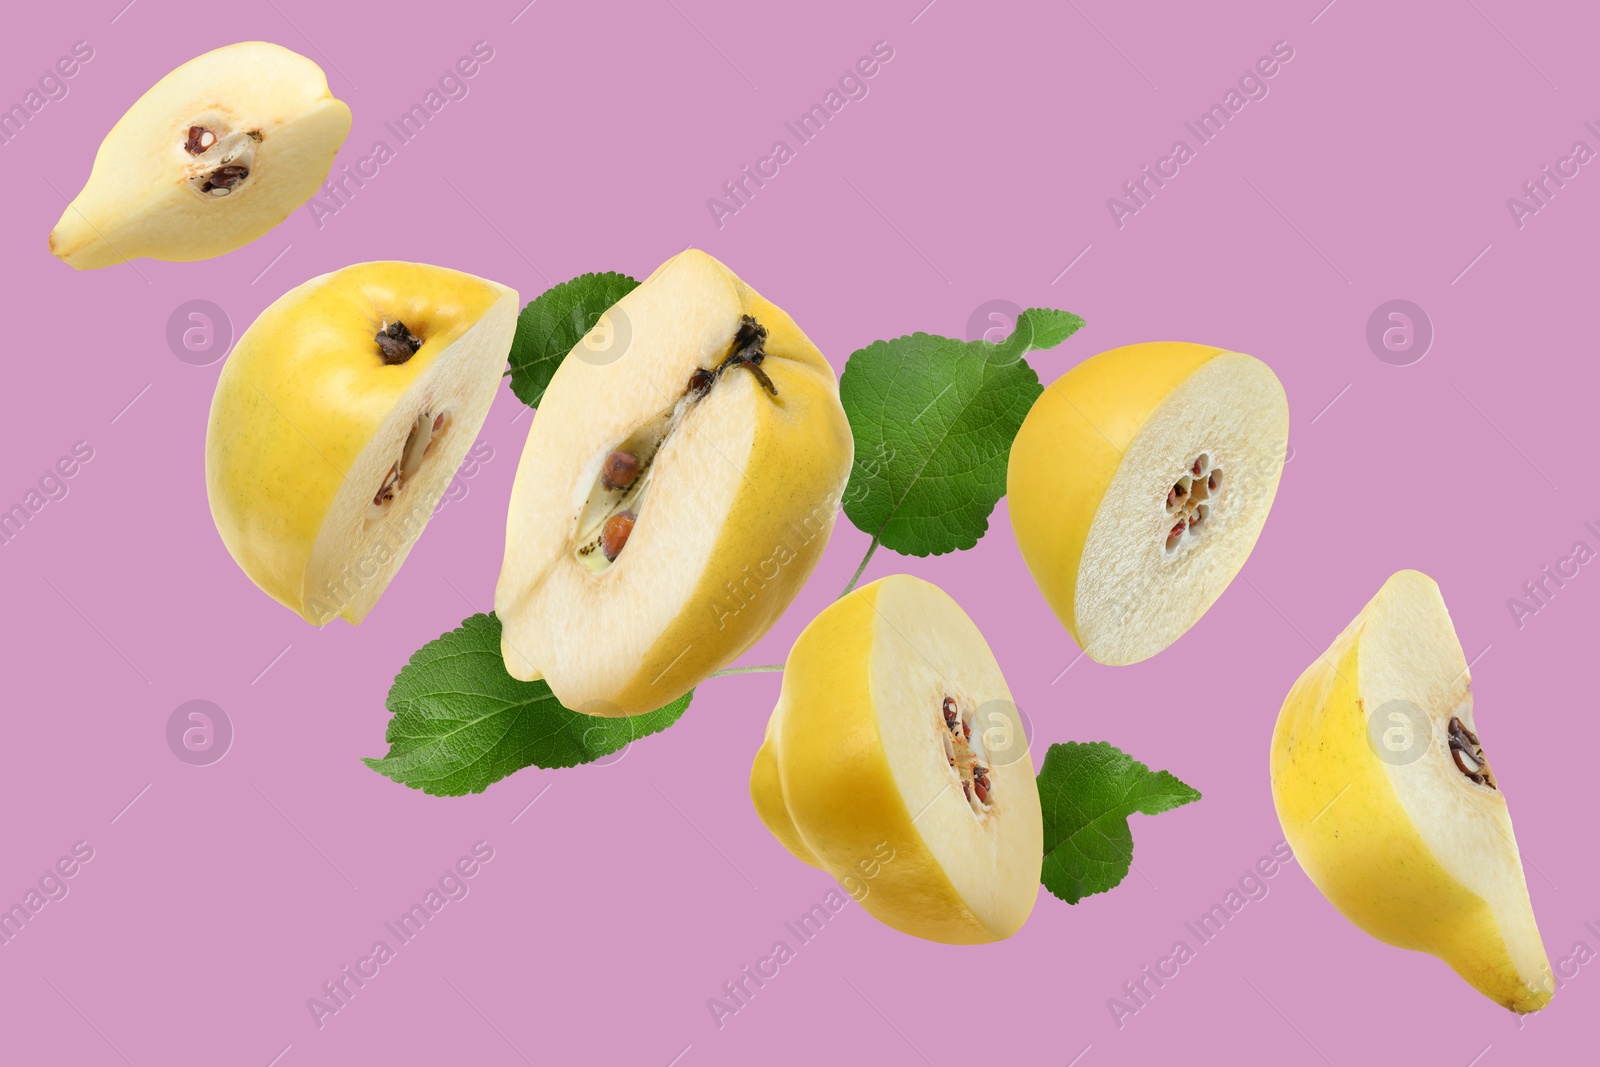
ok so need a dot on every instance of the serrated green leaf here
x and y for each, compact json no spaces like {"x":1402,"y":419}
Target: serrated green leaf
{"x":933,"y":420}
{"x":1039,"y":328}
{"x":1087,"y":792}
{"x":461,"y":723}
{"x":553,"y":322}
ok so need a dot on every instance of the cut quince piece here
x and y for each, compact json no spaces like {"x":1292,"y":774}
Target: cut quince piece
{"x":1390,"y":805}
{"x":895,"y":727}
{"x":1138,"y":485}
{"x":339,"y":419}
{"x":213,"y":156}
{"x":671,"y":500}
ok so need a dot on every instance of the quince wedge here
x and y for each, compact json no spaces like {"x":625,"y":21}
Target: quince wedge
{"x":339,"y":419}
{"x":1137,"y":487}
{"x":1388,"y":800}
{"x":679,"y":483}
{"x":217,"y":153}
{"x":895,"y":736}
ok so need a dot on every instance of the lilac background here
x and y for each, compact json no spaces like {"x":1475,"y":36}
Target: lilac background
{"x":977,"y":169}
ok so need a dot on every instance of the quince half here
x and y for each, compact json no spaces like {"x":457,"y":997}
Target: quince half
{"x":679,"y":483}
{"x":217,"y":153}
{"x":1389,"y":802}
{"x":895,"y":728}
{"x":339,"y":419}
{"x":1138,"y":485}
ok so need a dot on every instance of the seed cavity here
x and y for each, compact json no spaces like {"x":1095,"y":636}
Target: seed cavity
{"x":224,"y":180}
{"x":428,"y":430}
{"x":1191,"y":500}
{"x":222,"y":159}
{"x":1468,"y":755}
{"x":966,"y":760}
{"x":199,"y":140}
{"x":622,"y":481}
{"x":396,"y":343}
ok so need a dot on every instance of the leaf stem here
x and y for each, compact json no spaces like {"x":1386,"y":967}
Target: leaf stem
{"x":765,"y":668}
{"x":861,"y":569}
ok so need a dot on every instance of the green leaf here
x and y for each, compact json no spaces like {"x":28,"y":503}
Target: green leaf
{"x":1039,"y":328}
{"x":553,"y":322}
{"x":933,"y":420}
{"x":1087,"y":792}
{"x":461,"y":723}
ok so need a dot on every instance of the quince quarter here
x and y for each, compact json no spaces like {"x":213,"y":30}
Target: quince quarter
{"x":217,"y":153}
{"x":1138,"y":485}
{"x":339,"y":419}
{"x":896,"y":728}
{"x":677,"y":487}
{"x":1389,"y":801}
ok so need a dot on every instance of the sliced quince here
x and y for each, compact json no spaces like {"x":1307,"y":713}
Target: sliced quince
{"x":1138,"y":485}
{"x":674,"y":494}
{"x":1390,"y":804}
{"x":217,"y":153}
{"x":895,"y":735}
{"x":339,"y":419}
